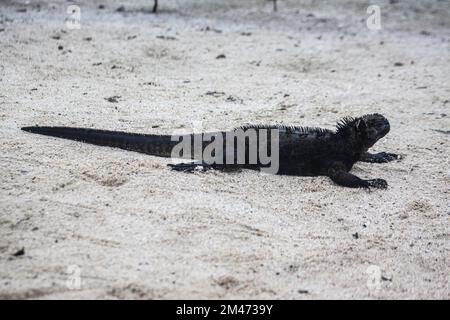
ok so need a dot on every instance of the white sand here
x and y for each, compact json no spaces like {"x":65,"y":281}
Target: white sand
{"x":137,"y":230}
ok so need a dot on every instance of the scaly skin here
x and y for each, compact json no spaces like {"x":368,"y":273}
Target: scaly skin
{"x":303,"y":151}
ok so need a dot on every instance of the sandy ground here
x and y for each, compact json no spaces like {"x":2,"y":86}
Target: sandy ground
{"x":104,"y":223}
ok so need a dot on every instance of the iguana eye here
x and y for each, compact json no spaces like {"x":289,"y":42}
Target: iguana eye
{"x":372,"y":133}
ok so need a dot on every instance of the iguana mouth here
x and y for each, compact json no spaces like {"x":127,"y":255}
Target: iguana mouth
{"x":385,"y":130}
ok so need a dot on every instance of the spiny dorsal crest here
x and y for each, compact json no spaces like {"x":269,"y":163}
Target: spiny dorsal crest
{"x":345,"y":124}
{"x":287,"y":129}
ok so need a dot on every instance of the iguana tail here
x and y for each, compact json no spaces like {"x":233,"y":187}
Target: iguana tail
{"x":158,"y":145}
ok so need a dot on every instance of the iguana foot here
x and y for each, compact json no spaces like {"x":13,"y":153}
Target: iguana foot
{"x":376,"y":183}
{"x":387,"y":157}
{"x":191,"y":167}
{"x":381,"y":157}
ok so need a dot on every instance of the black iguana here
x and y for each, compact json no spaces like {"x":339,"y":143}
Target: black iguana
{"x":303,"y":151}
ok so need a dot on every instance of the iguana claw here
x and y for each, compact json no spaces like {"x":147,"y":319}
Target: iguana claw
{"x":377,"y":183}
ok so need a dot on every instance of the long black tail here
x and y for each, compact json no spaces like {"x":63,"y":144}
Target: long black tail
{"x":158,"y":145}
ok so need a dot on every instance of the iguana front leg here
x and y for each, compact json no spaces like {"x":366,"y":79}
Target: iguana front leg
{"x":381,"y":157}
{"x":340,"y":176}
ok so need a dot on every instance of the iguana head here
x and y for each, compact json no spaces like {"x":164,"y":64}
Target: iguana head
{"x":366,"y":130}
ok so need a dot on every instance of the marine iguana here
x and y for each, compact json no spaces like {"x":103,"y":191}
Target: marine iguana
{"x":303,"y":151}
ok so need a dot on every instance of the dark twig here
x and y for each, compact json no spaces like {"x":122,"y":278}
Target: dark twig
{"x":155,"y":6}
